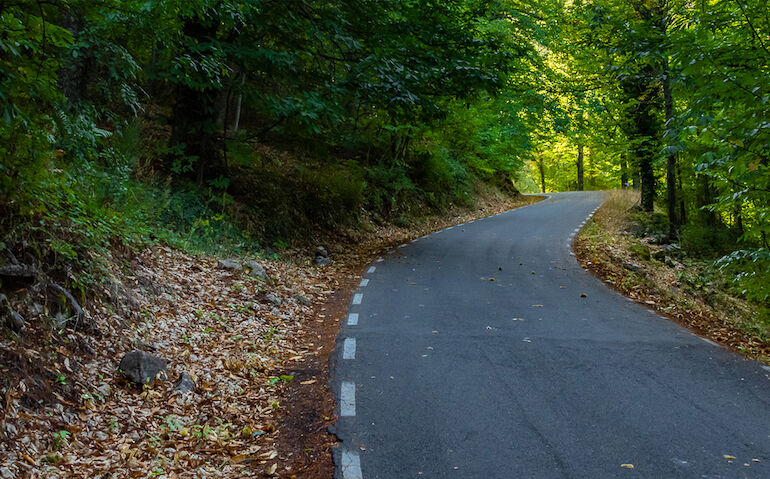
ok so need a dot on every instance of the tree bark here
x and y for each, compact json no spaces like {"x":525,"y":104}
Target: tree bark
{"x":541,"y":169}
{"x":580,"y":167}
{"x":673,"y":218}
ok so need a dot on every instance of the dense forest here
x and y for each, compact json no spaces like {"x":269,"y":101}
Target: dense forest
{"x":248,"y":123}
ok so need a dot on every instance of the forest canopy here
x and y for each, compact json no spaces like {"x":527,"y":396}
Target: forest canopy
{"x":258,"y":121}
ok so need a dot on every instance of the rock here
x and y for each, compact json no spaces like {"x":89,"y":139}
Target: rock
{"x":302,"y":300}
{"x":321,"y":251}
{"x":18,"y":271}
{"x":13,"y":320}
{"x":640,"y":251}
{"x":142,"y":367}
{"x":184,"y":384}
{"x":105,"y":390}
{"x":256,"y":270}
{"x":633,"y":267}
{"x":230,"y":264}
{"x":270,"y":298}
{"x":321,"y":261}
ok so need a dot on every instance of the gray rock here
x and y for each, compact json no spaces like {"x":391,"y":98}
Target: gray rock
{"x":321,"y":261}
{"x":230,"y":264}
{"x":184,"y":384}
{"x":142,"y":367}
{"x":15,"y":321}
{"x":302,"y":300}
{"x":633,"y":267}
{"x":256,"y":270}
{"x":321,"y":251}
{"x":270,"y":298}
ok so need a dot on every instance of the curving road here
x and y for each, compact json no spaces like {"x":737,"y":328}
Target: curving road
{"x":441,"y":372}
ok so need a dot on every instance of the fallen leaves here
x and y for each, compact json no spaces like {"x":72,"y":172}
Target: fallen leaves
{"x":627,"y":466}
{"x":206,"y":322}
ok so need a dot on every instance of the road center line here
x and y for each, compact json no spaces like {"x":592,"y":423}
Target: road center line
{"x":349,"y":348}
{"x":363,"y":283}
{"x":371,"y":269}
{"x":350,"y":463}
{"x":353,"y":319}
{"x":348,"y":399}
{"x":357,"y":298}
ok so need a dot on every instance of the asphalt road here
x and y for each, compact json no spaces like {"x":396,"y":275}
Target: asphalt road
{"x":442,"y":373}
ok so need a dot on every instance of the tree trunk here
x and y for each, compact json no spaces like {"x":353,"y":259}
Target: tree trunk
{"x":673,"y":219}
{"x":623,"y":171}
{"x":541,"y":169}
{"x":237,"y":120}
{"x":580,"y":167}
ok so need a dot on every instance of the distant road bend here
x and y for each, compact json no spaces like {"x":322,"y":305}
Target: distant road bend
{"x":471,"y":354}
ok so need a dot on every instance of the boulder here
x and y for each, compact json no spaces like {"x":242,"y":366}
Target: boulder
{"x":270,"y":298}
{"x":229,"y":264}
{"x":184,"y":384}
{"x":256,"y":270}
{"x":321,"y":261}
{"x":142,"y":367}
{"x":13,"y":320}
{"x":321,"y":251}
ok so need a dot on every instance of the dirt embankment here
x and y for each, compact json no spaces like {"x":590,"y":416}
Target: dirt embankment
{"x":665,"y":279}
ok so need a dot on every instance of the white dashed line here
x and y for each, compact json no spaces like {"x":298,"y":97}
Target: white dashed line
{"x":353,"y":319}
{"x":709,"y":341}
{"x":371,"y":269}
{"x":349,"y":348}
{"x":577,"y":230}
{"x":350,"y":463}
{"x":380,"y":260}
{"x":402,"y":245}
{"x":363,"y":283}
{"x":766,"y":368}
{"x":348,"y":399}
{"x":357,"y":298}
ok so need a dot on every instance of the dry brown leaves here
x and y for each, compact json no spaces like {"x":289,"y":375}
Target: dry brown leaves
{"x":210,"y":323}
{"x":204,"y":321}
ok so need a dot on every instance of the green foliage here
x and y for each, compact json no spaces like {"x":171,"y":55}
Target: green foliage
{"x":751,"y":270}
{"x":707,"y":241}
